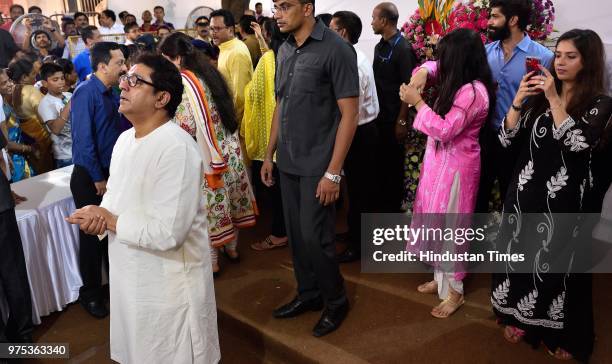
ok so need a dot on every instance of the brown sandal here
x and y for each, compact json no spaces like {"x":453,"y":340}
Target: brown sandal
{"x":267,"y":244}
{"x":454,"y":306}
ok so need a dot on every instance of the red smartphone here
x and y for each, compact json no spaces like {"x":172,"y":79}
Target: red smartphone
{"x":532,"y":64}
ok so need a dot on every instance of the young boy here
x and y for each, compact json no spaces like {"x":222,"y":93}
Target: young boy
{"x":70,"y":75}
{"x":54,"y":109}
{"x":132,"y":32}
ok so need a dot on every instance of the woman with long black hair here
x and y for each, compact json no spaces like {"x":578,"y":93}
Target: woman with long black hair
{"x":555,"y":129}
{"x":207,"y":113}
{"x":451,"y":167}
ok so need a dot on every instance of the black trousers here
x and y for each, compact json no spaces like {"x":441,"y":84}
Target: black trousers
{"x":390,"y":169}
{"x":14,"y":280}
{"x":496,"y":164}
{"x":360,"y":178}
{"x":311,"y":232}
{"x":273,"y":194}
{"x":92,"y":251}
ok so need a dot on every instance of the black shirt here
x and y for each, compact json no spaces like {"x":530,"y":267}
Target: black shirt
{"x":6,"y":198}
{"x":8,"y":48}
{"x":309,"y":81}
{"x":394,"y":61}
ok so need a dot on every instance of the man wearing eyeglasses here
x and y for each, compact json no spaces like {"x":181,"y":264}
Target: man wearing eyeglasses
{"x":235,"y":62}
{"x":202,"y":27}
{"x":161,"y":288}
{"x":95,"y":129}
{"x":317,"y":90}
{"x":394,"y":60}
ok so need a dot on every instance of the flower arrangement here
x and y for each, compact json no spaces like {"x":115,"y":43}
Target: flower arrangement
{"x":434,"y":18}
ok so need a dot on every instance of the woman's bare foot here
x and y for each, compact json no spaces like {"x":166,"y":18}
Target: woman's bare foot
{"x":449,"y":305}
{"x":513,"y":334}
{"x":563,"y":355}
{"x":429,"y":287}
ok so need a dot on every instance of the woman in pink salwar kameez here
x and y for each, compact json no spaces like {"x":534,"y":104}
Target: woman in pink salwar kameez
{"x":451,"y":167}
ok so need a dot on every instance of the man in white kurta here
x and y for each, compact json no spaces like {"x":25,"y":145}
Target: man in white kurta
{"x":162,"y":303}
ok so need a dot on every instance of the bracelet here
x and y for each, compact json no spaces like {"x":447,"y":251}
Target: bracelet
{"x":417,"y":103}
{"x":559,"y":106}
{"x":515,"y":108}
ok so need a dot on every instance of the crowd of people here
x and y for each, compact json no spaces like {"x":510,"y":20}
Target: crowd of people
{"x":172,"y":137}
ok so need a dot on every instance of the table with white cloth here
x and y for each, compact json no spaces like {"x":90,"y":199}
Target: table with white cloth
{"x":50,"y":244}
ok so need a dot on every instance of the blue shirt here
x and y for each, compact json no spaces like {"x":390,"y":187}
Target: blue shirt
{"x":95,"y":127}
{"x":508,"y":75}
{"x":82,"y":65}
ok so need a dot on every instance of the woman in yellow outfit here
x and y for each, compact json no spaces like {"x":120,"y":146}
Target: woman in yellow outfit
{"x":256,"y":123}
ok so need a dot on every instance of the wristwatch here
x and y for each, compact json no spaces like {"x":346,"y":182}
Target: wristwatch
{"x":333,"y":177}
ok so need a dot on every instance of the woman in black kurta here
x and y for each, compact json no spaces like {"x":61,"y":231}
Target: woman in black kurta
{"x":552,"y":136}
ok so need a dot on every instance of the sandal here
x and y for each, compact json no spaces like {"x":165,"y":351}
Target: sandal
{"x":561,"y":354}
{"x":429,"y":287}
{"x":513,"y":334}
{"x":453,"y":305}
{"x":267,"y":244}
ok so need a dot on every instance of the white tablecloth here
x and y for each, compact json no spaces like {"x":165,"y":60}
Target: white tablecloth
{"x":50,"y":244}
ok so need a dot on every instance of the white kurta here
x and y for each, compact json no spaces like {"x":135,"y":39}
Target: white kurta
{"x":162,"y":300}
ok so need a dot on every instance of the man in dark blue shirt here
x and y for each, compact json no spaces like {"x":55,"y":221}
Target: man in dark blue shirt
{"x":95,"y":129}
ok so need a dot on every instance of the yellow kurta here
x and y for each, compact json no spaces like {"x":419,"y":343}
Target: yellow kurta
{"x":236,"y":66}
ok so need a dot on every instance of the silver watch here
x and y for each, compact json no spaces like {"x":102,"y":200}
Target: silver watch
{"x":333,"y":177}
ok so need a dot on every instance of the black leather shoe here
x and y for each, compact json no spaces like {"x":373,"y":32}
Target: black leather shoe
{"x":298,"y":307}
{"x":331,"y":319}
{"x":347,"y":256}
{"x":95,"y":308}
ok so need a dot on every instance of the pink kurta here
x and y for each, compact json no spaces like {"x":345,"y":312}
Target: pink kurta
{"x":451,"y":167}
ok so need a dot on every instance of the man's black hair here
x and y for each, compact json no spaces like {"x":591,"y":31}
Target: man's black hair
{"x":350,"y":22}
{"x":228,"y":17}
{"x":101,"y":53}
{"x":109,"y":14}
{"x":518,"y":8}
{"x":88,"y":32}
{"x":165,"y":77}
{"x":34,"y":7}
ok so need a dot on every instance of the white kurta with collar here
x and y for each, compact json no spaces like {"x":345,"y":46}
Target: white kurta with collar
{"x":162,"y":300}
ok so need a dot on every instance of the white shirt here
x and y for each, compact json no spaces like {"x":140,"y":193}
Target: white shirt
{"x":49,"y":109}
{"x":368,"y":98}
{"x":79,"y":47}
{"x":116,"y":29}
{"x":162,"y":296}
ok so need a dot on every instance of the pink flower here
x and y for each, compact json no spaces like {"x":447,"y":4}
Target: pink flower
{"x":419,"y":29}
{"x":483,"y":23}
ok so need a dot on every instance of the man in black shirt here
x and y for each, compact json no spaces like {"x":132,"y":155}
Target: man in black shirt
{"x":13,"y":273}
{"x":317,"y":90}
{"x":394,"y":61}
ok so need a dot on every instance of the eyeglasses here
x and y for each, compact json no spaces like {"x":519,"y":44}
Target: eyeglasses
{"x":133,"y":80}
{"x":283,"y":9}
{"x":217,"y":29}
{"x":202,"y":24}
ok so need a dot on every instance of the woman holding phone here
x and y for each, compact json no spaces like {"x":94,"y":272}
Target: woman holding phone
{"x":554,"y":127}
